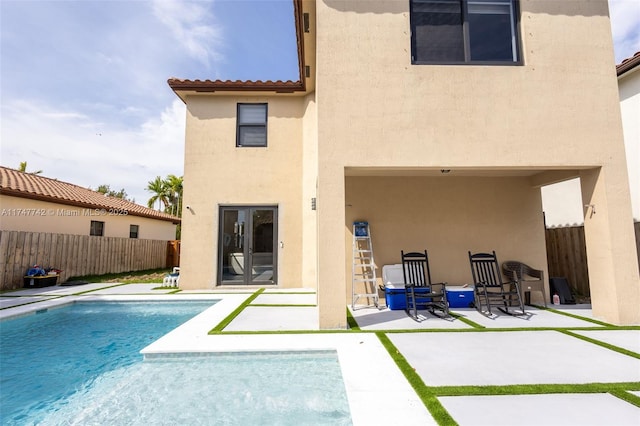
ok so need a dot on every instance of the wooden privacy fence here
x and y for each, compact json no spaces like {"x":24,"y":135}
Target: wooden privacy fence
{"x":76,"y":255}
{"x":567,"y":255}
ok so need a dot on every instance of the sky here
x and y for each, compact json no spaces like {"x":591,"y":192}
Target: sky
{"x":83,"y":83}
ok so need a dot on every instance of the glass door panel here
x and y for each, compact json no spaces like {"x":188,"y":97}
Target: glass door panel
{"x":246,"y":246}
{"x":262,"y":245}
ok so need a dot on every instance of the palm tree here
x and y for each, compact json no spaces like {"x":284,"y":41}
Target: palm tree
{"x":158,"y":188}
{"x":174,"y":190}
{"x":23,"y":169}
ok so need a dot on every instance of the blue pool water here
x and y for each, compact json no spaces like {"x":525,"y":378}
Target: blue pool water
{"x":80,"y":365}
{"x":47,"y":357}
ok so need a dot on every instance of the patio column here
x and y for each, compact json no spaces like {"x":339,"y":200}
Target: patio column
{"x":610,"y":244}
{"x":332,"y":302}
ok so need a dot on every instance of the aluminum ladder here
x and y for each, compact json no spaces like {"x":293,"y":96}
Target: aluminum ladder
{"x":364,"y":267}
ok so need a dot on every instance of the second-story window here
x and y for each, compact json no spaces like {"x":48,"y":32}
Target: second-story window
{"x":252,"y":125}
{"x":464,"y":31}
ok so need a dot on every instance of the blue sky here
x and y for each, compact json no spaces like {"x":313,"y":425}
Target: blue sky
{"x":83,"y":82}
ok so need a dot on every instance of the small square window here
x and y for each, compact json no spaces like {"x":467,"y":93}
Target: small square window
{"x":97,"y":228}
{"x":133,"y":231}
{"x":252,"y":125}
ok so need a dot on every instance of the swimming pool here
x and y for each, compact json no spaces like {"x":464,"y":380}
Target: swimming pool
{"x":80,"y":364}
{"x":48,"y":356}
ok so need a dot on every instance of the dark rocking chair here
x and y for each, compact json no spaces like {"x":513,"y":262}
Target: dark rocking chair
{"x":419,"y":290}
{"x":490,"y":290}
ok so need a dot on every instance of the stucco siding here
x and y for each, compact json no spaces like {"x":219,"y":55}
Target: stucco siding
{"x":217,"y":173}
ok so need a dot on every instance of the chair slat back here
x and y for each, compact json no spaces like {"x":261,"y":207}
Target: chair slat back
{"x":484,"y":269}
{"x":415,"y":267}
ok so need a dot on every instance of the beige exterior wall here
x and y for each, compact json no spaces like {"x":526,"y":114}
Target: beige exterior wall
{"x":629,"y":87}
{"x":377,"y":111}
{"x":23,"y":214}
{"x":217,"y":173}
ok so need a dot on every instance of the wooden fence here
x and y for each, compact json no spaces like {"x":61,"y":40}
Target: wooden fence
{"x":567,"y":255}
{"x":76,"y":255}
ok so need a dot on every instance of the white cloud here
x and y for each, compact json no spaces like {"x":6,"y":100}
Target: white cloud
{"x":192,"y":25}
{"x":625,"y":26}
{"x":72,"y":147}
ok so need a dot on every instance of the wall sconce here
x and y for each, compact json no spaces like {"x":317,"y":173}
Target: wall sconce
{"x":593,"y":209}
{"x":445,"y":171}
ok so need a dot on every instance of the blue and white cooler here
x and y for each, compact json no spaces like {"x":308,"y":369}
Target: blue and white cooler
{"x":460,"y":296}
{"x":393,"y":281}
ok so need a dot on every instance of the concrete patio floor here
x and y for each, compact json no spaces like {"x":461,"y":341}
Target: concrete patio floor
{"x":544,"y":348}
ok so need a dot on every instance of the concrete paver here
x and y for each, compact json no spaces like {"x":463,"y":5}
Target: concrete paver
{"x":546,"y":409}
{"x":510,"y":358}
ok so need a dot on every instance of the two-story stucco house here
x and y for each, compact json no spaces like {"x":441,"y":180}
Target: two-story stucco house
{"x":435,"y":121}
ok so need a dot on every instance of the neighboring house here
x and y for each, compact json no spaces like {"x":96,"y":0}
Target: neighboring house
{"x":34,"y":203}
{"x":437,"y":122}
{"x":562,"y":202}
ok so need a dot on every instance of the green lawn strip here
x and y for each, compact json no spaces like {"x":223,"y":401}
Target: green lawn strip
{"x":352,"y":324}
{"x":567,"y":314}
{"x":102,"y":278}
{"x":603,"y":344}
{"x":627,"y":396}
{"x":249,"y":332}
{"x":225,"y":322}
{"x":47,"y":299}
{"x":287,"y":292}
{"x":534,"y":389}
{"x":98,"y":289}
{"x":425,"y":393}
{"x":466,"y":320}
{"x":282,"y":305}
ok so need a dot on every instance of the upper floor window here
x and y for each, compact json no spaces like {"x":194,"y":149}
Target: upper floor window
{"x":463,"y":31}
{"x":252,"y":125}
{"x":97,"y":228}
{"x":133,"y":231}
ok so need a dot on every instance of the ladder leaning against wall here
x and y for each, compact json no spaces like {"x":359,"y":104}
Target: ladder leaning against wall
{"x":363,"y":274}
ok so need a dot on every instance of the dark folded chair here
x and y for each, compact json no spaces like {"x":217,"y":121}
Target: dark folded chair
{"x":490,"y":290}
{"x":530,"y":279}
{"x":420,"y":292}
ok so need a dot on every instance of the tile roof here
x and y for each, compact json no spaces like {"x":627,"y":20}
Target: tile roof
{"x":228,"y":85}
{"x":628,"y":64}
{"x":26,"y":185}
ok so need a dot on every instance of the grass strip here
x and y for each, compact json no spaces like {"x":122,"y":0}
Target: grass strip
{"x":48,"y":298}
{"x":281,"y":305}
{"x":225,"y":322}
{"x":124,"y":277}
{"x":627,"y":396}
{"x":428,"y":397}
{"x":352,"y":324}
{"x":535,"y":389}
{"x":567,"y":314}
{"x":466,"y":320}
{"x":97,"y":289}
{"x":603,"y":344}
